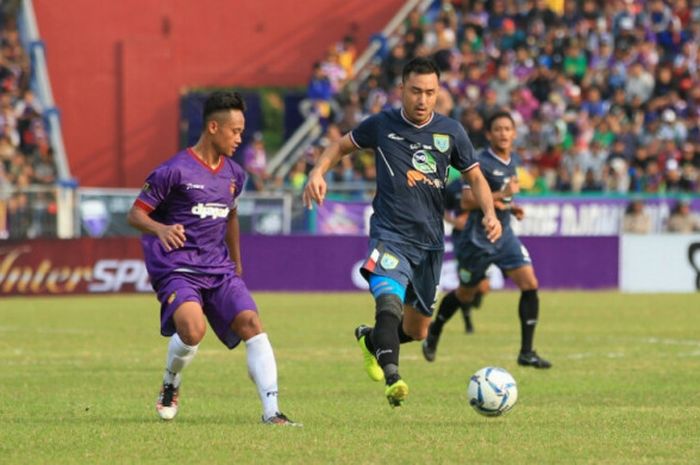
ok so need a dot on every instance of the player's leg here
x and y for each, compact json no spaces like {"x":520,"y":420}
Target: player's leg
{"x":516,"y":262}
{"x":183,"y":320}
{"x":233,"y":315}
{"x":466,"y":307}
{"x":472,"y":264}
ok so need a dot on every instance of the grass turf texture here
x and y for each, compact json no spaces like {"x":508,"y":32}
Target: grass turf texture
{"x":79,"y":377}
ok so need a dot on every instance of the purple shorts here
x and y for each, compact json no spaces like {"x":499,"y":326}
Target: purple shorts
{"x":222,"y":298}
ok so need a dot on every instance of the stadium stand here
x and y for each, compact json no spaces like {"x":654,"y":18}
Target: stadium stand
{"x":27,"y":167}
{"x":607,"y":94}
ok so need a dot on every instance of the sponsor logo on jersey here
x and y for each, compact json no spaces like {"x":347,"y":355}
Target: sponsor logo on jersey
{"x":414,"y":177}
{"x":394,"y":136}
{"x":424,"y":162}
{"x":441,"y":142}
{"x":414,"y":146}
{"x":213,"y":210}
{"x":190,"y":186}
{"x":389,"y":262}
{"x":498,"y":173}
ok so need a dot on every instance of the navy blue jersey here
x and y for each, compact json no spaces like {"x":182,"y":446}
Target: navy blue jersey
{"x":498,"y":174}
{"x":412,"y":162}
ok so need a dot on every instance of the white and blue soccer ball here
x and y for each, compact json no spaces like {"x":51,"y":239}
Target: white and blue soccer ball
{"x":492,"y":391}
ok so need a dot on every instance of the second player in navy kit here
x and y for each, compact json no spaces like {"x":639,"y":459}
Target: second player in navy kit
{"x":414,"y":148}
{"x":476,"y":251}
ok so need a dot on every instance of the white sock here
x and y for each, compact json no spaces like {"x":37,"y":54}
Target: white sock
{"x":179,"y":356}
{"x":262,"y":369}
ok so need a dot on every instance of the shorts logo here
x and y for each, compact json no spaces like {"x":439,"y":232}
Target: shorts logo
{"x":441,"y":142}
{"x":464,"y":275}
{"x":389,"y":262}
{"x":171,"y":297}
{"x":424,"y":162}
{"x":526,"y":254}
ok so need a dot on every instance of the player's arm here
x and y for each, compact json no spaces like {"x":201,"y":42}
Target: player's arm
{"x":171,"y":236}
{"x":484,"y":200}
{"x":233,"y":235}
{"x":500,"y":198}
{"x":315,"y":189}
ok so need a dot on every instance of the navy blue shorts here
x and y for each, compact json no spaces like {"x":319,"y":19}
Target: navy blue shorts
{"x":416,"y":269}
{"x":472,"y":261}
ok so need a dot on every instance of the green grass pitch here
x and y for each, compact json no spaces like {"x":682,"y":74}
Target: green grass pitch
{"x":79,"y":376}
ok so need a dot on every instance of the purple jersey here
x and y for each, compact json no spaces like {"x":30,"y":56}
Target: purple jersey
{"x":184,"y":190}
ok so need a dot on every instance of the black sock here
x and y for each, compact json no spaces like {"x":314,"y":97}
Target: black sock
{"x":385,"y":335}
{"x":528,"y":310}
{"x":403,"y":337}
{"x":466,"y":313}
{"x":448,"y":307}
{"x":477,"y":300}
{"x":368,"y":341}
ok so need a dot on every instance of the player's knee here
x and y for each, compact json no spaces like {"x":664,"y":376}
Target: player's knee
{"x":529,"y":284}
{"x":417,"y":333}
{"x":247,"y":324}
{"x":192,"y":332}
{"x":465,"y":294}
{"x":389,"y":304}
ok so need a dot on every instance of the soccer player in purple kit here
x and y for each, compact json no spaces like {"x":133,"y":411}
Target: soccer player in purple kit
{"x":414,"y":146}
{"x":187,"y":212}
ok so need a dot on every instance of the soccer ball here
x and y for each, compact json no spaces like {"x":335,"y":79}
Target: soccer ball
{"x":492,"y":391}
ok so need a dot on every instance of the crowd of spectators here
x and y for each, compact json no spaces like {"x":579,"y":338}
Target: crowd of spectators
{"x":26,"y":158}
{"x":606,"y":93}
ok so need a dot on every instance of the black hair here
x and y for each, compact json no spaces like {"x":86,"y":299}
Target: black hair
{"x":419,"y":66}
{"x":222,"y":101}
{"x":498,"y":115}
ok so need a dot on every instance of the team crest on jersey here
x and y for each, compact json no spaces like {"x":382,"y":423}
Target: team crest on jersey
{"x":441,"y":142}
{"x":389,"y":262}
{"x":424,"y":162}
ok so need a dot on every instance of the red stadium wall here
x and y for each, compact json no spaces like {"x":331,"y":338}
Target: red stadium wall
{"x":118,"y":68}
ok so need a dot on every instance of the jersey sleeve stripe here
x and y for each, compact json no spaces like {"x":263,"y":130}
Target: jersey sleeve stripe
{"x":143,"y":206}
{"x":352,"y":139}
{"x":470,"y":167}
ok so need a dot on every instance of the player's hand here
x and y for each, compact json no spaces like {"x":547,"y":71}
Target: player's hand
{"x":493,"y":227}
{"x":315,"y":190}
{"x":172,"y":236}
{"x":517,"y":211}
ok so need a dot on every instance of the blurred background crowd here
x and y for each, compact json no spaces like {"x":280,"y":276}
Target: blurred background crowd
{"x":606,"y":94}
{"x":26,"y":157}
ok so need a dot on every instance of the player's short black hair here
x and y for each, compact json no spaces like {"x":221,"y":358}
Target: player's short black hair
{"x":222,"y":101}
{"x":419,"y":66}
{"x":498,"y":115}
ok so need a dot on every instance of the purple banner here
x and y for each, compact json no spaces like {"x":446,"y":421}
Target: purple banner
{"x":331,"y":263}
{"x":544,"y":216}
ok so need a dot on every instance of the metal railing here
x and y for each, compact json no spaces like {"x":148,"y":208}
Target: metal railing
{"x":282,"y":161}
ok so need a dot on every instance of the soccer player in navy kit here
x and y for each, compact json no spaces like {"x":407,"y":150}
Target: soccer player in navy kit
{"x":187,"y":212}
{"x":475,"y":251}
{"x":457,"y":217}
{"x":413,"y":149}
